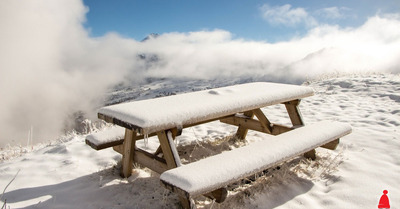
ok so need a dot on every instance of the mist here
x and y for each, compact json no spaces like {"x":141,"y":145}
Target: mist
{"x":51,"y":68}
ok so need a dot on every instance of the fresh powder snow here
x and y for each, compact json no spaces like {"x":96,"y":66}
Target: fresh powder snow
{"x":107,"y":135}
{"x":69,"y":174}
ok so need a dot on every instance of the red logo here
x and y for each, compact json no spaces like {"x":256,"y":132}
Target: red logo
{"x":384,"y":201}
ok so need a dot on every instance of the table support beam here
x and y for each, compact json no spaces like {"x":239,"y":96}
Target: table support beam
{"x":128,"y":152}
{"x":263,"y":120}
{"x":146,"y":159}
{"x":255,"y":125}
{"x":331,"y":145}
{"x":292,"y":108}
{"x":242,"y":130}
{"x":166,"y":148}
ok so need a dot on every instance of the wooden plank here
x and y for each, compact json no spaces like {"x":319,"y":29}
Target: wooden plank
{"x":177,"y":131}
{"x":279,"y":129}
{"x":158,"y":151}
{"x":152,"y":162}
{"x":128,"y":152}
{"x":184,"y":197}
{"x":119,"y":122}
{"x":113,"y":143}
{"x":263,"y":120}
{"x":146,"y":159}
{"x":292,"y":108}
{"x":251,"y":124}
{"x":205,"y":121}
{"x":139,"y":130}
{"x":171,"y":134}
{"x":172,"y":161}
{"x":311,"y":154}
{"x":166,"y":149}
{"x":187,"y":203}
{"x":201,"y":184}
{"x":255,"y":125}
{"x":106,"y":118}
{"x":245,"y":123}
{"x":331,"y":145}
{"x":104,"y":145}
{"x":118,"y":148}
{"x":219,"y":195}
{"x":242,"y":130}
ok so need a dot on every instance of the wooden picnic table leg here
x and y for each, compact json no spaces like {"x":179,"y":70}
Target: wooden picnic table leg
{"x":172,"y":158}
{"x":173,"y":161}
{"x":263,"y":120}
{"x":175,"y":132}
{"x":293,"y":110}
{"x":128,"y":152}
{"x":167,"y":148}
{"x":242,"y":131}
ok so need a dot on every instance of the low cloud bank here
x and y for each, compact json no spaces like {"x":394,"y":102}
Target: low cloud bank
{"x":50,"y":67}
{"x":374,"y":46}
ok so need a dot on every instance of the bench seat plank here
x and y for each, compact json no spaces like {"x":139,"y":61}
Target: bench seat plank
{"x":149,"y":116}
{"x":109,"y":137}
{"x":217,"y":171}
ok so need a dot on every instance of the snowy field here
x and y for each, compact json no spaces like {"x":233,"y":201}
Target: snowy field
{"x":69,"y":174}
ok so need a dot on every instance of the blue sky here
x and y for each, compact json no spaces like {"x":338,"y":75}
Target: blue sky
{"x":251,"y":20}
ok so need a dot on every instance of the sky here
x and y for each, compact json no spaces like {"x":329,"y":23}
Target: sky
{"x":60,"y":58}
{"x":270,"y":21}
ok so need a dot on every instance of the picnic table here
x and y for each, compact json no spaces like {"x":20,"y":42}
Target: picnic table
{"x":238,"y":105}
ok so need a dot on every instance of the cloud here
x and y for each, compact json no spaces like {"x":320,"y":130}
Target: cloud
{"x":51,"y":68}
{"x":372,"y":47}
{"x":332,"y":12}
{"x":286,"y":15}
{"x":326,"y":49}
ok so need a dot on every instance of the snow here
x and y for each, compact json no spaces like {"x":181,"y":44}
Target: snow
{"x":107,"y":135}
{"x":215,"y":172}
{"x":70,"y":174}
{"x":178,"y":110}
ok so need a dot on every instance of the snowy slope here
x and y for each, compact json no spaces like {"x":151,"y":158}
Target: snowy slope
{"x":69,"y":174}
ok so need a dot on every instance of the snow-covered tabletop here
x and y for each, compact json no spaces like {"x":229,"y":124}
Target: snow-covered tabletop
{"x":149,"y":116}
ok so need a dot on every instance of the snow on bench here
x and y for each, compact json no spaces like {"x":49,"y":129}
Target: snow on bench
{"x":149,"y":116}
{"x":153,"y":115}
{"x":109,"y":137}
{"x":217,"y":171}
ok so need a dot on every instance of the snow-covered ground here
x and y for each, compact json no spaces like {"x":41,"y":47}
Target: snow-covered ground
{"x":69,"y":174}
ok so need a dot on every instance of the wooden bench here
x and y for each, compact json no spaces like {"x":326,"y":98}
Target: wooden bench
{"x":109,"y":137}
{"x":217,"y":171}
{"x":238,"y":105}
{"x":114,"y":137}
